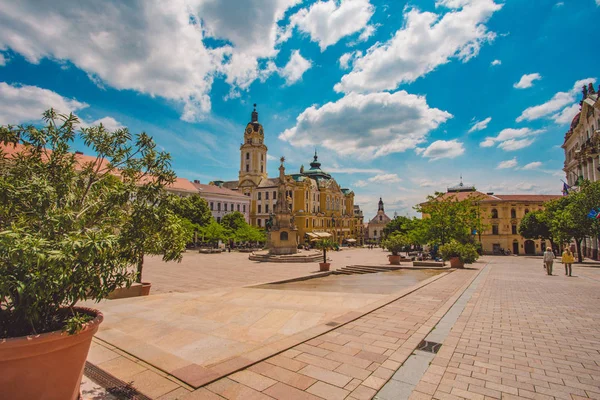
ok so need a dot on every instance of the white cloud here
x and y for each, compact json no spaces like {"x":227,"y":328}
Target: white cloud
{"x":295,"y":68}
{"x":153,"y":47}
{"x":328,"y":21}
{"x":384,"y":178}
{"x":3,"y":60}
{"x":342,"y":170}
{"x":426,"y":41}
{"x":367,"y":33}
{"x":367,"y":125}
{"x":527,"y":80}
{"x":513,"y":144}
{"x":271,"y":158}
{"x":507,"y":164}
{"x":559,"y":101}
{"x":566,"y":115}
{"x":532,"y":165}
{"x":512,"y":139}
{"x":480,"y":125}
{"x":560,"y":3}
{"x":525,"y":186}
{"x":496,"y":62}
{"x":345,"y":60}
{"x":21,"y":104}
{"x":444,"y":149}
{"x":598,"y":2}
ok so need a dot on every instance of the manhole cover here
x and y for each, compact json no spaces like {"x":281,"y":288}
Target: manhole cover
{"x":431,"y":347}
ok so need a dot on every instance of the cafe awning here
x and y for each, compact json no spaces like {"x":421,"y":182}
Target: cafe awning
{"x":351,"y":240}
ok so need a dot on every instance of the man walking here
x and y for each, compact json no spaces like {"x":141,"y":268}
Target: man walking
{"x":549,"y":260}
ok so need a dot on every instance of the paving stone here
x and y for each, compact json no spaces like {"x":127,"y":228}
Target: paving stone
{"x":327,"y":391}
{"x":395,"y":390}
{"x":324,"y":375}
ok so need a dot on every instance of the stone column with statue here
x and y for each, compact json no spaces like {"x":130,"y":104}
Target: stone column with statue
{"x":283,"y":232}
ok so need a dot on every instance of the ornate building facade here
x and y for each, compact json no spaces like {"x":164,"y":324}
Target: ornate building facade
{"x":321,"y":208}
{"x":502,"y":214}
{"x":376,"y":225}
{"x":582,"y":152}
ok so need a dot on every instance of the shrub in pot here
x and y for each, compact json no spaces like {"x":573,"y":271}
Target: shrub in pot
{"x":72,"y":228}
{"x":459,"y":254}
{"x":325,"y":244}
{"x":395,"y":244}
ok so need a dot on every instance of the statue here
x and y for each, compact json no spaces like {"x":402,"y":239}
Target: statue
{"x":585,"y":92}
{"x":269,"y":223}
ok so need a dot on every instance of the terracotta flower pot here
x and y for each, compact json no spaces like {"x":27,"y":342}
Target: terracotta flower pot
{"x":394,"y":259}
{"x":324,"y":266}
{"x":456,"y":263}
{"x":146,"y":288}
{"x":47,"y":366}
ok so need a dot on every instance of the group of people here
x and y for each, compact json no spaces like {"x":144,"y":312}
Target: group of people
{"x":567,"y":259}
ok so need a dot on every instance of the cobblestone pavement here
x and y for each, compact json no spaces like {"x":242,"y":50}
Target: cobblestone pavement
{"x":523,"y":335}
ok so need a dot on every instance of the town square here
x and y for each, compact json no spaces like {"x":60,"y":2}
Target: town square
{"x":299,"y":199}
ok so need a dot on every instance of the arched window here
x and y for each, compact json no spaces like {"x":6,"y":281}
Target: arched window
{"x":380,"y":218}
{"x":261,"y":157}
{"x":283,"y":236}
{"x":494,"y":213}
{"x":375,"y":233}
{"x":247,"y":156}
{"x":527,"y":211}
{"x":261,"y":169}
{"x":247,"y":168}
{"x":513,"y":213}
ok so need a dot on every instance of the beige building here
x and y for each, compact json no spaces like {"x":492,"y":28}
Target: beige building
{"x":377,"y":224}
{"x":319,"y":205}
{"x":582,"y":152}
{"x":502,"y":214}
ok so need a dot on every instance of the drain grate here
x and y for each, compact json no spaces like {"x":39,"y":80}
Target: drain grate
{"x":114,"y":386}
{"x":332,"y":323}
{"x":431,"y":347}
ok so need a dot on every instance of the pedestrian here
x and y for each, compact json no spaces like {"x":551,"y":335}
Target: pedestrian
{"x":548,"y":260}
{"x":568,"y":259}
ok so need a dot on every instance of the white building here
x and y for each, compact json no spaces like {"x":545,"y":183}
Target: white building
{"x":222,"y":201}
{"x":376,"y":225}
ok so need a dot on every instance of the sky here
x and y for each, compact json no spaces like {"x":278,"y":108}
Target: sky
{"x":399,"y":98}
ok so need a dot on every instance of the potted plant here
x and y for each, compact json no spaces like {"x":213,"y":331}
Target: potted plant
{"x":458,"y":254}
{"x":324,"y":244}
{"x":72,"y":228}
{"x":395,"y":244}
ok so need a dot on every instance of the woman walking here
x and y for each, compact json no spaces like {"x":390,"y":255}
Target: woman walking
{"x":548,"y":260}
{"x":568,"y":259}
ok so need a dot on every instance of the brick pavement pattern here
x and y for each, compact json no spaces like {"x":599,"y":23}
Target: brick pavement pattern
{"x":523,"y":335}
{"x":351,"y":362}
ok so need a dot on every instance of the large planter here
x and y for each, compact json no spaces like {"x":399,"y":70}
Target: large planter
{"x":456,"y":263}
{"x":324,"y":267}
{"x":146,"y":288}
{"x":48,"y":366}
{"x":394,"y":259}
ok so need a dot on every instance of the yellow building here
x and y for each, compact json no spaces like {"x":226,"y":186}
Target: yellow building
{"x":320,"y":207}
{"x":502,"y":214}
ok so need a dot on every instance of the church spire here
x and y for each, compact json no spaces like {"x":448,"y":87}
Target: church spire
{"x":315,"y":164}
{"x":254,"y":114}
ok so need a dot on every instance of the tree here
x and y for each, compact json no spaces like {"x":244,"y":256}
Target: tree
{"x":399,"y":224}
{"x":325,"y":244}
{"x":233,"y":221}
{"x":213,"y":232}
{"x":535,"y":225}
{"x":70,"y":230}
{"x":193,"y":208}
{"x":395,"y":243}
{"x":248,"y":233}
{"x":446,"y":218}
{"x":568,"y":219}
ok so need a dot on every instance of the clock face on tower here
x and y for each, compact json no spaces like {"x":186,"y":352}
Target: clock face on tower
{"x":249,"y":130}
{"x":261,"y":131}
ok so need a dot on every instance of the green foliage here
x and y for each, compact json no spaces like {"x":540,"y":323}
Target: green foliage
{"x":467,"y":253}
{"x":325,"y":244}
{"x":234,"y":221}
{"x":447,"y":218}
{"x":248,"y":233}
{"x":395,"y":243}
{"x":535,"y":225}
{"x":213,"y":232}
{"x":399,"y":224}
{"x":70,"y":230}
{"x":193,"y":208}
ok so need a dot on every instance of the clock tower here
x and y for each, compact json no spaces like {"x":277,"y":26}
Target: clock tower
{"x":253,"y":153}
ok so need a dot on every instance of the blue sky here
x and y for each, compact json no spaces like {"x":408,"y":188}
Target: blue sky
{"x":399,"y":97}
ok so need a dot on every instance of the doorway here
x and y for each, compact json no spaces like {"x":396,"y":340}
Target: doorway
{"x":529,"y":247}
{"x":515,"y":249}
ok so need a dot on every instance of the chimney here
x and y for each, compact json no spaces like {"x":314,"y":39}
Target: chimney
{"x":490,"y":193}
{"x":196,"y":181}
{"x":79,"y":152}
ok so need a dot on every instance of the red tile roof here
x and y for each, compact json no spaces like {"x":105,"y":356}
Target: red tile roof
{"x":213,"y":189}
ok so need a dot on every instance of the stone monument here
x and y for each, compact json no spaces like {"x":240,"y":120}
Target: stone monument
{"x":283,"y":233}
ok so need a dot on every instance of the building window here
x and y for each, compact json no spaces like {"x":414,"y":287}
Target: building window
{"x":238,"y":207}
{"x":514,"y":229}
{"x":261,"y":157}
{"x":259,"y":195}
{"x":381,"y":218}
{"x":261,"y":168}
{"x":218,"y":206}
{"x":258,"y":221}
{"x":375,"y":233}
{"x":247,"y":156}
{"x":259,"y":209}
{"x":266,"y":195}
{"x":274,"y":195}
{"x":244,"y":208}
{"x":494,"y":213}
{"x":494,"y":229}
{"x":267,"y":208}
{"x":212,"y":206}
{"x":307,"y":223}
{"x":526,"y":211}
{"x":513,"y":213}
{"x":247,"y":168}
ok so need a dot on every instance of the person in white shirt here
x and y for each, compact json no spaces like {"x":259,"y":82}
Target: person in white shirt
{"x":549,"y":260}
